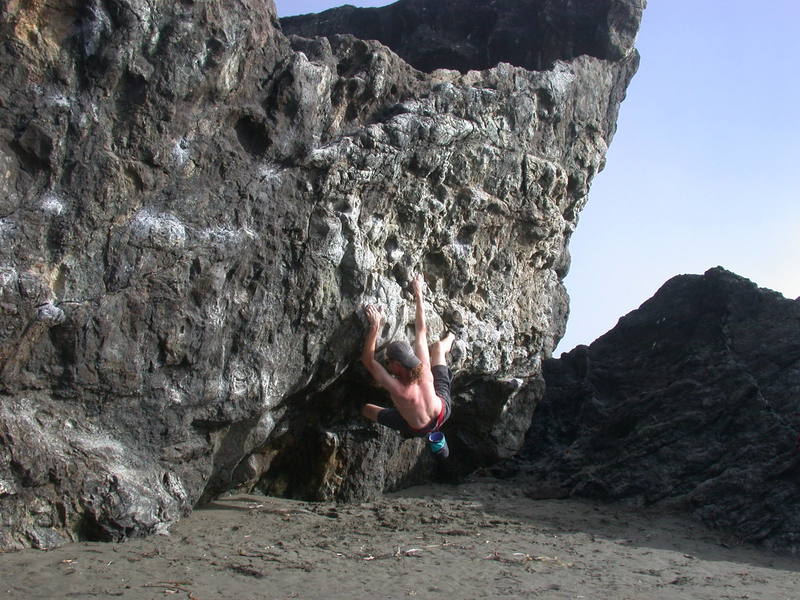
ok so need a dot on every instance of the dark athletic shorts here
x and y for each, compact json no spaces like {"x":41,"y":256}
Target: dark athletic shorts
{"x":390,"y":417}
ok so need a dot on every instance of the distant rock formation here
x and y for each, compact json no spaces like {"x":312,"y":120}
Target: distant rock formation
{"x":468,"y":35}
{"x":690,"y":402}
{"x":193,"y":209}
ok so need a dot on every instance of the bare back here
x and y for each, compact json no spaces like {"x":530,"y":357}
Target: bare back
{"x":418,"y":403}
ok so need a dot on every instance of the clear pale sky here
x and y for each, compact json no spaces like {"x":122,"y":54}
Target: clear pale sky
{"x":704,"y":165}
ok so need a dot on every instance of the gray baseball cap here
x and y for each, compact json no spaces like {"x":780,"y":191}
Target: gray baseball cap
{"x":403,"y":353}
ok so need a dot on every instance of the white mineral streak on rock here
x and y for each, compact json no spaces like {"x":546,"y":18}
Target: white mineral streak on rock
{"x":561,"y":79}
{"x":180,"y":151}
{"x":229,"y":74}
{"x":269,"y":173}
{"x":59,"y":100}
{"x":6,"y":488}
{"x":226,"y":239}
{"x":9,"y":279}
{"x":175,"y":396}
{"x":52,"y":205}
{"x":162,"y":231}
{"x":50,"y":314}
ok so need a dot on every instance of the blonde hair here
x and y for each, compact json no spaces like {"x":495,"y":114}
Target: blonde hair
{"x":415,"y":374}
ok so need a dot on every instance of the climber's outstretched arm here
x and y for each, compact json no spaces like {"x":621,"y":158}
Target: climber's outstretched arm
{"x":420,"y":328}
{"x":376,"y":369}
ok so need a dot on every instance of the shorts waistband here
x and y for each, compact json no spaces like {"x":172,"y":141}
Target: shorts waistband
{"x":434,"y":424}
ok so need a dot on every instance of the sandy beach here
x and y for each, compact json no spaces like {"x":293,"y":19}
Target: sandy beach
{"x":482,"y":539}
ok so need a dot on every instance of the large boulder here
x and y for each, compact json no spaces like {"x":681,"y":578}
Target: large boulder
{"x":193,"y":209}
{"x":691,"y":402}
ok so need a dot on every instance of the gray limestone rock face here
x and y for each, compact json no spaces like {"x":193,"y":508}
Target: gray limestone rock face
{"x":690,"y":403}
{"x":195,"y":206}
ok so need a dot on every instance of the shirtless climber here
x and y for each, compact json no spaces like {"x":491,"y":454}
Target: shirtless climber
{"x":418,"y":380}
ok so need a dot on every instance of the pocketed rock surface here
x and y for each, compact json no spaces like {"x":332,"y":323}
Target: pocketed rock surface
{"x":484,"y":539}
{"x":194,"y":207}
